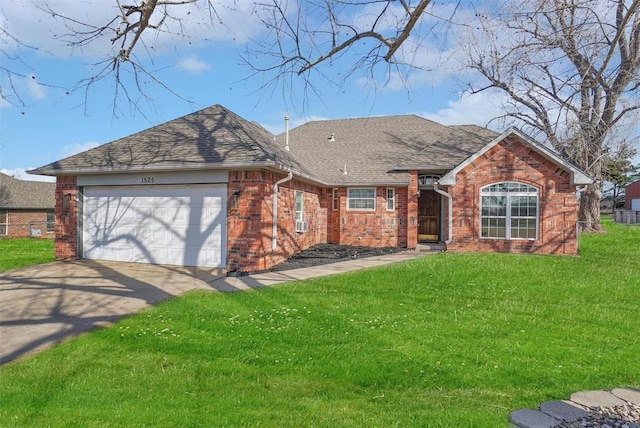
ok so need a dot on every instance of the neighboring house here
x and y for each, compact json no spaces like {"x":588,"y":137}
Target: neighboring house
{"x":26,"y":208}
{"x":212,"y":189}
{"x":633,"y":196}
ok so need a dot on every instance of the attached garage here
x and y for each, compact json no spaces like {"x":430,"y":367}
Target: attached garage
{"x":182,"y":225}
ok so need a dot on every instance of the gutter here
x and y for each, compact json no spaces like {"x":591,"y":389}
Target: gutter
{"x":449,"y":212}
{"x":274,"y":230}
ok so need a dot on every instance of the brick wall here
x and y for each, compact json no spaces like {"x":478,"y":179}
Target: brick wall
{"x":19,"y":222}
{"x":66,"y":212}
{"x":513,"y":161}
{"x":377,"y":228}
{"x":250,"y":225}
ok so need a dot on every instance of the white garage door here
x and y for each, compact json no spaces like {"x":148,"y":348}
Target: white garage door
{"x":173,"y":225}
{"x":635,"y":204}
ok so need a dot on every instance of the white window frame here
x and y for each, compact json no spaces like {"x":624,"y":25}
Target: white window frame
{"x":509,"y":190}
{"x":391,"y":198}
{"x":51,"y":223}
{"x":4,"y":225}
{"x":351,"y":199}
{"x":335,"y":199}
{"x":299,"y":212}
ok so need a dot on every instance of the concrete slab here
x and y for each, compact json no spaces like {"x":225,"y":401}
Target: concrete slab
{"x":596,"y":399}
{"x":45,"y":304}
{"x":528,"y":418}
{"x":627,"y":394}
{"x":563,"y":410}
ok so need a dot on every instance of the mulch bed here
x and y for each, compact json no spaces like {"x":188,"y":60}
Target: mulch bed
{"x":330,"y":253}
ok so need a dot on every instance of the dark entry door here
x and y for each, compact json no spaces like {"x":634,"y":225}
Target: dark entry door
{"x":429,"y":216}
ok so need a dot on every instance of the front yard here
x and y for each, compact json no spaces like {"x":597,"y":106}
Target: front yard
{"x":447,"y":340}
{"x":20,"y":252}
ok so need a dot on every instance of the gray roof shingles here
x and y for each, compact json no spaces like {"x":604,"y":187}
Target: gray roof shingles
{"x":210,"y":137}
{"x":375,"y":150}
{"x":22,"y":194}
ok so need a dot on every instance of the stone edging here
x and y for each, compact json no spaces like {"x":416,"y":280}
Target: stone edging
{"x":552,"y":413}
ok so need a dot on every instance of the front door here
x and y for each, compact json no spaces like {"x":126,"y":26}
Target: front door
{"x":428,"y":216}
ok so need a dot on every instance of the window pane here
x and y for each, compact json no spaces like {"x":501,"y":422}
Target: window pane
{"x":51,"y":220}
{"x":391,"y":199}
{"x":523,"y":206}
{"x":494,"y":206}
{"x":299,"y":198}
{"x":494,"y":228}
{"x":361,"y":199}
{"x":523,"y":228}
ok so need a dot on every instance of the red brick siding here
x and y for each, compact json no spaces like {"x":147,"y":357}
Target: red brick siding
{"x":377,"y":228}
{"x":632,"y":192}
{"x":511,"y":160}
{"x":66,"y":212}
{"x":249,"y":225}
{"x":18,"y":222}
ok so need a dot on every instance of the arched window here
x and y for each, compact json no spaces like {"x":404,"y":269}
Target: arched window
{"x":509,"y":210}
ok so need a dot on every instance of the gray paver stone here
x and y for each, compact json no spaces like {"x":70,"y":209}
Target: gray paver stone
{"x":563,"y":410}
{"x":527,"y":418}
{"x":627,"y":394}
{"x":596,"y":399}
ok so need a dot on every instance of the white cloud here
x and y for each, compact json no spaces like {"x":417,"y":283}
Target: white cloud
{"x":193,"y":65}
{"x":72,"y":149}
{"x":478,"y":109}
{"x":294,"y":122}
{"x":21,"y":174}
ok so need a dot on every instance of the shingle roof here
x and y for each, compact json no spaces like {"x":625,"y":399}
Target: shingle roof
{"x":212,"y":137}
{"x":379,"y":150}
{"x":376,"y":150}
{"x":26,"y":194}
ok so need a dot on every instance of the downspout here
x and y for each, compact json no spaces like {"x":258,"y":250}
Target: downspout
{"x":274,"y":230}
{"x":449,"y":212}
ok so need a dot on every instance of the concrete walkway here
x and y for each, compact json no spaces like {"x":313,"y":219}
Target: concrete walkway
{"x":552,"y":413}
{"x":46,"y":304}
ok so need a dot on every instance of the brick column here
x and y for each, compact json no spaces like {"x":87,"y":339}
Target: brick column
{"x":66,"y":212}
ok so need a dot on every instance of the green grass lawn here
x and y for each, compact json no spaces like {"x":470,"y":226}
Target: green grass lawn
{"x":20,"y":252}
{"x":452,"y":340}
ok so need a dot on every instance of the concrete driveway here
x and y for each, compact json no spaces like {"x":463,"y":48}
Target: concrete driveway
{"x":44,"y":304}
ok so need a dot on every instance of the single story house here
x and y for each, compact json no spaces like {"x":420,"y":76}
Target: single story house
{"x":214,"y":190}
{"x":632,"y":196}
{"x":26,"y":208}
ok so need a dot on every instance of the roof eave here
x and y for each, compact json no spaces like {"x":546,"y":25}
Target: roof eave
{"x":171,"y":167}
{"x":151,"y":168}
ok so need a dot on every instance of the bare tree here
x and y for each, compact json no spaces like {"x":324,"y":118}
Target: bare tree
{"x":121,"y":35}
{"x":570,"y":69}
{"x":336,"y":39}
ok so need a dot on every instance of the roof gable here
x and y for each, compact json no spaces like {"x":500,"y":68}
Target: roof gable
{"x":577,"y":176}
{"x":212,"y":137}
{"x":22,"y":194}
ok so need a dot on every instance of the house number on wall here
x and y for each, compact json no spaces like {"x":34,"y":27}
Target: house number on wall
{"x":148,"y":179}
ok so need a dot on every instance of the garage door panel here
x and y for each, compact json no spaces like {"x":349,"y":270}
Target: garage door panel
{"x":176,"y":225}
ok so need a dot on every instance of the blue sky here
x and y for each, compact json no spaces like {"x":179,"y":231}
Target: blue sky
{"x":204,"y":70}
{"x":203,"y":66}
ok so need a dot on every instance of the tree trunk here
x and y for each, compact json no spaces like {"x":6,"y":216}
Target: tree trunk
{"x":589,"y":212}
